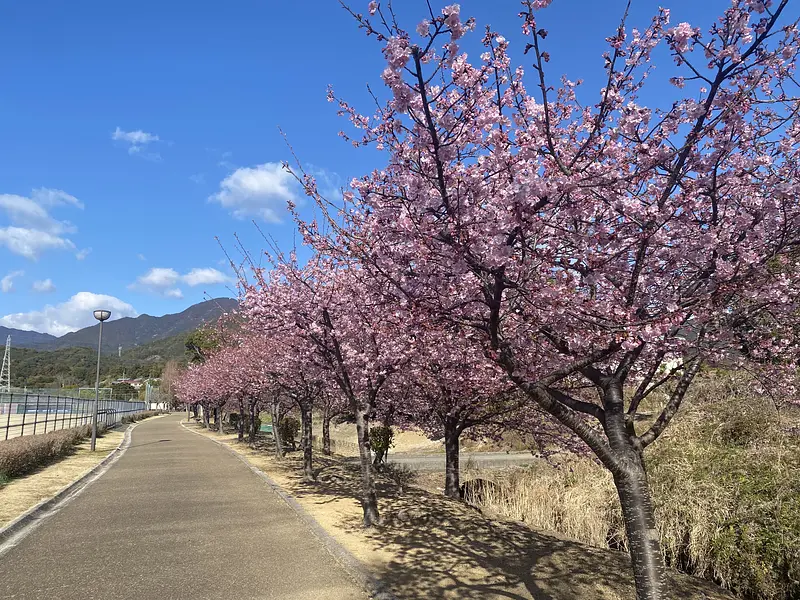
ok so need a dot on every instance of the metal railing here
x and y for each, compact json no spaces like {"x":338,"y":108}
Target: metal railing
{"x":83,"y":393}
{"x":32,"y":414}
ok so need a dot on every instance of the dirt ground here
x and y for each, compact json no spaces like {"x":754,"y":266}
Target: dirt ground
{"x":411,"y":441}
{"x":432,"y":547}
{"x":23,"y":493}
{"x":414,"y":441}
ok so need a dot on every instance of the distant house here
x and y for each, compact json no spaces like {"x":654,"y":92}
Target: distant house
{"x":135,"y":383}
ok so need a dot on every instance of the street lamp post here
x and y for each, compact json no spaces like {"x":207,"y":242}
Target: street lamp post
{"x":100,"y":315}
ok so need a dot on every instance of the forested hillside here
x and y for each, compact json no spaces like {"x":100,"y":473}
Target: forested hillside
{"x":129,"y":333}
{"x":76,"y":366}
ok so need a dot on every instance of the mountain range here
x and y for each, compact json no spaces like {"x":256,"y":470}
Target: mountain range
{"x":127,"y":332}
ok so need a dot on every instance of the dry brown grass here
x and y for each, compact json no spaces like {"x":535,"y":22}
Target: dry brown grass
{"x":432,"y":547}
{"x":575,"y":498}
{"x":19,"y":495}
{"x":343,"y":440}
{"x":726,"y":486}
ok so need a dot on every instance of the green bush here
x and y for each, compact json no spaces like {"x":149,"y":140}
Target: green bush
{"x":289,"y":430}
{"x":381,"y":438}
{"x":233,"y":420}
{"x":19,"y":456}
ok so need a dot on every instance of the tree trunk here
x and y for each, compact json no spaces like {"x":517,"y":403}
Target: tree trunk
{"x":305,"y":418}
{"x":451,"y":450}
{"x":276,"y":431}
{"x":326,"y":433}
{"x":241,"y":420}
{"x":252,"y":425}
{"x":630,"y":479}
{"x":369,"y":499}
{"x":206,"y":418}
{"x":221,"y":420}
{"x":643,"y":541}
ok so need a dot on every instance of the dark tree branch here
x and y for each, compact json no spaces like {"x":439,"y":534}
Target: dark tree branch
{"x":577,"y":405}
{"x":657,"y":428}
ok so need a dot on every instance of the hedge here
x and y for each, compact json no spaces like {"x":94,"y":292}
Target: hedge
{"x":19,"y":456}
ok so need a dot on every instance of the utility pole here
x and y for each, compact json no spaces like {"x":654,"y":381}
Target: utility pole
{"x":5,"y":370}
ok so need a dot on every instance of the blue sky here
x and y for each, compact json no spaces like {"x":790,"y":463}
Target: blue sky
{"x":132,"y":134}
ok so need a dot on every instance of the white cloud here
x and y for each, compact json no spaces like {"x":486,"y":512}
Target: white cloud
{"x":137,"y":142}
{"x":206,"y":276}
{"x":50,"y":197}
{"x":44,"y":286}
{"x":138,"y":137}
{"x":159,"y":277}
{"x":260,"y":191}
{"x":31,"y":229}
{"x":71,"y":315}
{"x":7,"y":282}
{"x":30,"y":243}
{"x":81,"y":254}
{"x":165,"y":281}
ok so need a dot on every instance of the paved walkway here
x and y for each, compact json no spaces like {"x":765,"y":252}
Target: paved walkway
{"x":176,"y":517}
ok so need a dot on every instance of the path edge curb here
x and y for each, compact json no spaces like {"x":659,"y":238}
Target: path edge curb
{"x":19,"y":527}
{"x":355,"y":568}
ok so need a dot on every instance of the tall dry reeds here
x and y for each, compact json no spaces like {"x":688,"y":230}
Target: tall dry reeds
{"x":576,"y":499}
{"x":725,"y":481}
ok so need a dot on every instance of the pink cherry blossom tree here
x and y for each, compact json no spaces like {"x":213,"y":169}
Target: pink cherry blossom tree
{"x":337,"y":312}
{"x":447,"y":388}
{"x":609,"y":243}
{"x":330,"y":403}
{"x":299,"y":379}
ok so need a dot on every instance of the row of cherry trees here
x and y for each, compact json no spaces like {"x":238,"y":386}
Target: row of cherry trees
{"x":526,"y":260}
{"x":321,"y":338}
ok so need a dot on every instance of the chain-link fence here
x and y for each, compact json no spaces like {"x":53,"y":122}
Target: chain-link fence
{"x":31,"y":414}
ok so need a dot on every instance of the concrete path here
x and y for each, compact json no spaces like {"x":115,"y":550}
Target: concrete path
{"x":176,"y":517}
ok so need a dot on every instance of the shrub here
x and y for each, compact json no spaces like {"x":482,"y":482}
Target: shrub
{"x":139,"y":416}
{"x":402,"y":476}
{"x":233,"y":420}
{"x":19,"y":456}
{"x":289,"y":430}
{"x":381,"y":438}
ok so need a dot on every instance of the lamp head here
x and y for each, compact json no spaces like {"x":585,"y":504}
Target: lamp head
{"x":102,"y":315}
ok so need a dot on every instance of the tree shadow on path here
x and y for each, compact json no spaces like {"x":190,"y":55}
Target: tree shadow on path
{"x":434,"y":547}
